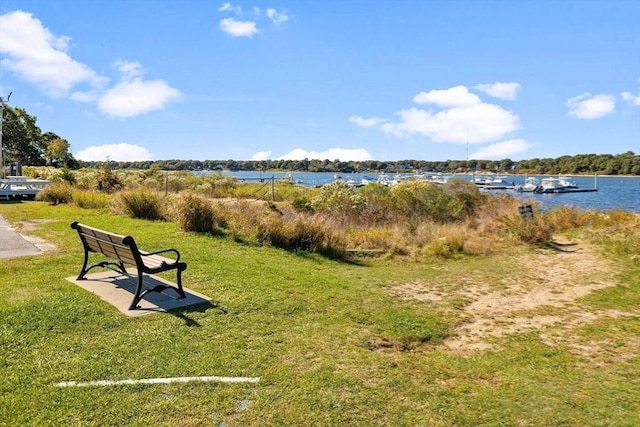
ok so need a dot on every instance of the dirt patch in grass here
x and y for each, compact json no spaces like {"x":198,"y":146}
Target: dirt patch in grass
{"x":31,"y":224}
{"x":539,"y":294}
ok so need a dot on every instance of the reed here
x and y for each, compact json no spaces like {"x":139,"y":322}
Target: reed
{"x":141,"y":203}
{"x":57,"y":192}
{"x":88,"y":199}
{"x":194,"y":213}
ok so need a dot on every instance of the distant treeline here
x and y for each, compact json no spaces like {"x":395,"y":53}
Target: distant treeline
{"x":621,"y":164}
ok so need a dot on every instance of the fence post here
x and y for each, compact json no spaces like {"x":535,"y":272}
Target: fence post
{"x":273,"y":188}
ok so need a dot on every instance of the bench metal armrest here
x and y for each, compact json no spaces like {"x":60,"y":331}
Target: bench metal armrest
{"x":174,"y":251}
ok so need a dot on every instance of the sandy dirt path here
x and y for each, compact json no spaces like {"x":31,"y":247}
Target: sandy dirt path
{"x":546,"y":278}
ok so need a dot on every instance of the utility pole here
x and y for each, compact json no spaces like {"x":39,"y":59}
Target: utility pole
{"x":3,"y":172}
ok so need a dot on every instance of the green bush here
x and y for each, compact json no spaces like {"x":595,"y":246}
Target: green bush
{"x":140,"y":203}
{"x":90,"y":199}
{"x":67,"y":175}
{"x":537,"y":230}
{"x":107,"y":180}
{"x":339,"y":200}
{"x":302,"y":204}
{"x":58,"y":192}
{"x":195,"y":213}
{"x":422,"y":200}
{"x":302,"y":233}
{"x":379,"y":205}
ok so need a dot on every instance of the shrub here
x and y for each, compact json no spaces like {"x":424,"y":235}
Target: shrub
{"x":378,"y":204}
{"x":140,"y":203}
{"x":107,"y":180}
{"x":195,"y":213}
{"x":67,"y":176}
{"x":419,"y":199}
{"x":90,"y":199}
{"x":303,"y":233}
{"x":446,"y":246}
{"x":302,"y":204}
{"x":221,"y":186}
{"x":339,"y":201}
{"x":58,"y":192}
{"x":537,"y":231}
{"x":566,"y":217}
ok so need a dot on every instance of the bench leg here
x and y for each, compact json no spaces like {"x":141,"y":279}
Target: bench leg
{"x":180,"y":290}
{"x":138,"y":295}
{"x":83,"y":271}
{"x":159,"y":288}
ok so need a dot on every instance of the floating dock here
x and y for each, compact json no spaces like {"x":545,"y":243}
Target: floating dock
{"x":567,"y":190}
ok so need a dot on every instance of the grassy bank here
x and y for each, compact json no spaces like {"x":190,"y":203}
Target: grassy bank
{"x":334,"y":342}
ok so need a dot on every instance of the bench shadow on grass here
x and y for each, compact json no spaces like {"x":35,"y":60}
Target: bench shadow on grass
{"x":184,"y":312}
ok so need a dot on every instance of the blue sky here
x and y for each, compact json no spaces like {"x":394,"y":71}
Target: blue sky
{"x":349,"y":80}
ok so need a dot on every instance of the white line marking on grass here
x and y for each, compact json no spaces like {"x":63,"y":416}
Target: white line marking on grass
{"x":159,"y":381}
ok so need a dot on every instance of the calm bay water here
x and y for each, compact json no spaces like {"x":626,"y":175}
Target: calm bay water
{"x":613,"y":192}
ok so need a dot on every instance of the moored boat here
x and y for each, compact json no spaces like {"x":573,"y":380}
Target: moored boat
{"x":531,"y":184}
{"x":560,"y":185}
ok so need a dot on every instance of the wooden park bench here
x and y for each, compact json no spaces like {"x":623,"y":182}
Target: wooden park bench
{"x":124,"y":250}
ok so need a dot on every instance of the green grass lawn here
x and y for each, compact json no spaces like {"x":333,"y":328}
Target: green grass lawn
{"x":331,"y":345}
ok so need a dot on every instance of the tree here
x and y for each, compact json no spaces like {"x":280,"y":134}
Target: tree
{"x":21,"y":137}
{"x":58,"y":154}
{"x":24,"y":141}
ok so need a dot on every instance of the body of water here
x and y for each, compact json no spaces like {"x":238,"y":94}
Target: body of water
{"x":614,"y":192}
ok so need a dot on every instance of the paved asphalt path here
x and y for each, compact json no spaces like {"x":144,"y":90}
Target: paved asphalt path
{"x":12,"y":244}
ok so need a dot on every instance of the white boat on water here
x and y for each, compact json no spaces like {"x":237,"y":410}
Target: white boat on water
{"x":556,"y":185}
{"x":567,"y":182}
{"x":531,"y":184}
{"x":493,"y":182}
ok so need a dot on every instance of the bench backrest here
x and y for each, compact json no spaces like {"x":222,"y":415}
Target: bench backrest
{"x":116,"y":246}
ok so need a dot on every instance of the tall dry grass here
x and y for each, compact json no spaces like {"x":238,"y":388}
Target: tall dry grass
{"x":413,"y":219}
{"x":140,"y":203}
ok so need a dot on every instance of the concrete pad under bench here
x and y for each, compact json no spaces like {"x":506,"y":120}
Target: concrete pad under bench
{"x":118,"y":289}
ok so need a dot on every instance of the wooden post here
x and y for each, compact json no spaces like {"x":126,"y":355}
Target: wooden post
{"x":166,"y":184}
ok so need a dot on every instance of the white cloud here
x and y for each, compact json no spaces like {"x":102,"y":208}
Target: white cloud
{"x":589,"y":107}
{"x":38,"y":56}
{"x":458,"y":96}
{"x":228,"y":7}
{"x":342,"y":154}
{"x":633,"y":100}
{"x":277,"y":17}
{"x":238,"y":28}
{"x":462,"y":117}
{"x":472,"y":124}
{"x":502,"y":150}
{"x":86,"y":96}
{"x":129,"y":69}
{"x":261,"y":155}
{"x":117,"y":152}
{"x":136,"y":97}
{"x":500,"y":89}
{"x":366,"y":123}
{"x":133,"y":96}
